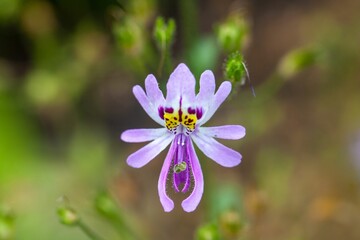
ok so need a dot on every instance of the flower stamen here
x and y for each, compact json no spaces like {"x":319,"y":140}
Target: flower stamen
{"x":180,"y":167}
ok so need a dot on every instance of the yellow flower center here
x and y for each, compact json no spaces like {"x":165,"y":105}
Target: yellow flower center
{"x":174,"y":118}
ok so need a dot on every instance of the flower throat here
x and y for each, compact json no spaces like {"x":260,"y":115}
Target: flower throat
{"x":186,"y":117}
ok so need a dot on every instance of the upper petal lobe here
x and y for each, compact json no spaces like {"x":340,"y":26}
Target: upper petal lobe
{"x":153,"y":91}
{"x":147,"y":105}
{"x":181,"y":85}
{"x":207,"y":89}
{"x":215,"y":102}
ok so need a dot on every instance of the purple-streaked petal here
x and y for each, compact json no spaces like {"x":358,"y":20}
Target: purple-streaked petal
{"x":190,"y":203}
{"x":181,"y":84}
{"x":149,"y":108}
{"x":142,"y":135}
{"x":182,"y":155}
{"x":207,"y":88}
{"x":216,"y":151}
{"x":166,"y":202}
{"x":221,"y":94}
{"x":232,"y":132}
{"x":153,"y":91}
{"x":187,"y":180}
{"x":147,"y":153}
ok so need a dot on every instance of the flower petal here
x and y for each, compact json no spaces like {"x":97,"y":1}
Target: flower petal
{"x":221,"y":94}
{"x":190,"y":203}
{"x":142,"y":135}
{"x":216,"y":151}
{"x":153,"y":91}
{"x":166,"y":202}
{"x":232,"y":132}
{"x":181,"y":85}
{"x":149,"y":108}
{"x":147,"y":153}
{"x":181,"y":180}
{"x":207,"y":88}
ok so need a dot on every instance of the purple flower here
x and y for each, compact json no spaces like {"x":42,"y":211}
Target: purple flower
{"x":181,"y":116}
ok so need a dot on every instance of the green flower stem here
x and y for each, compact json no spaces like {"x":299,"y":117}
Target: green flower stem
{"x":163,"y":34}
{"x":110,"y":211}
{"x":124,"y":230}
{"x":165,"y":61}
{"x":162,"y":59}
{"x":88,"y":231}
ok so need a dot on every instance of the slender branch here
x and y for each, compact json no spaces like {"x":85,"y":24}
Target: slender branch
{"x":162,"y":59}
{"x":88,"y":231}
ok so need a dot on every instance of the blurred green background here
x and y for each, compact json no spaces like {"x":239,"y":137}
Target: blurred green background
{"x":66,"y":73}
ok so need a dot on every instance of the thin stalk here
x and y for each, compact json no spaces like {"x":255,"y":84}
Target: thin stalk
{"x":124,"y":230}
{"x":88,"y":231}
{"x":162,"y":59}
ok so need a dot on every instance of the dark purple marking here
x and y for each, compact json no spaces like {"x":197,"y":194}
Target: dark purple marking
{"x":169,"y":110}
{"x":191,"y":110}
{"x":180,"y":115}
{"x":161,"y":112}
{"x":199,"y":113}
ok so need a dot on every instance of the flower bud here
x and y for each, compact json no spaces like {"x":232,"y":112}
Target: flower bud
{"x":232,"y":34}
{"x":297,"y":60}
{"x":129,"y":36}
{"x":105,"y":205}
{"x":234,"y":68}
{"x":68,"y":216}
{"x":164,"y":32}
{"x":208,"y":232}
{"x":230,"y":224}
